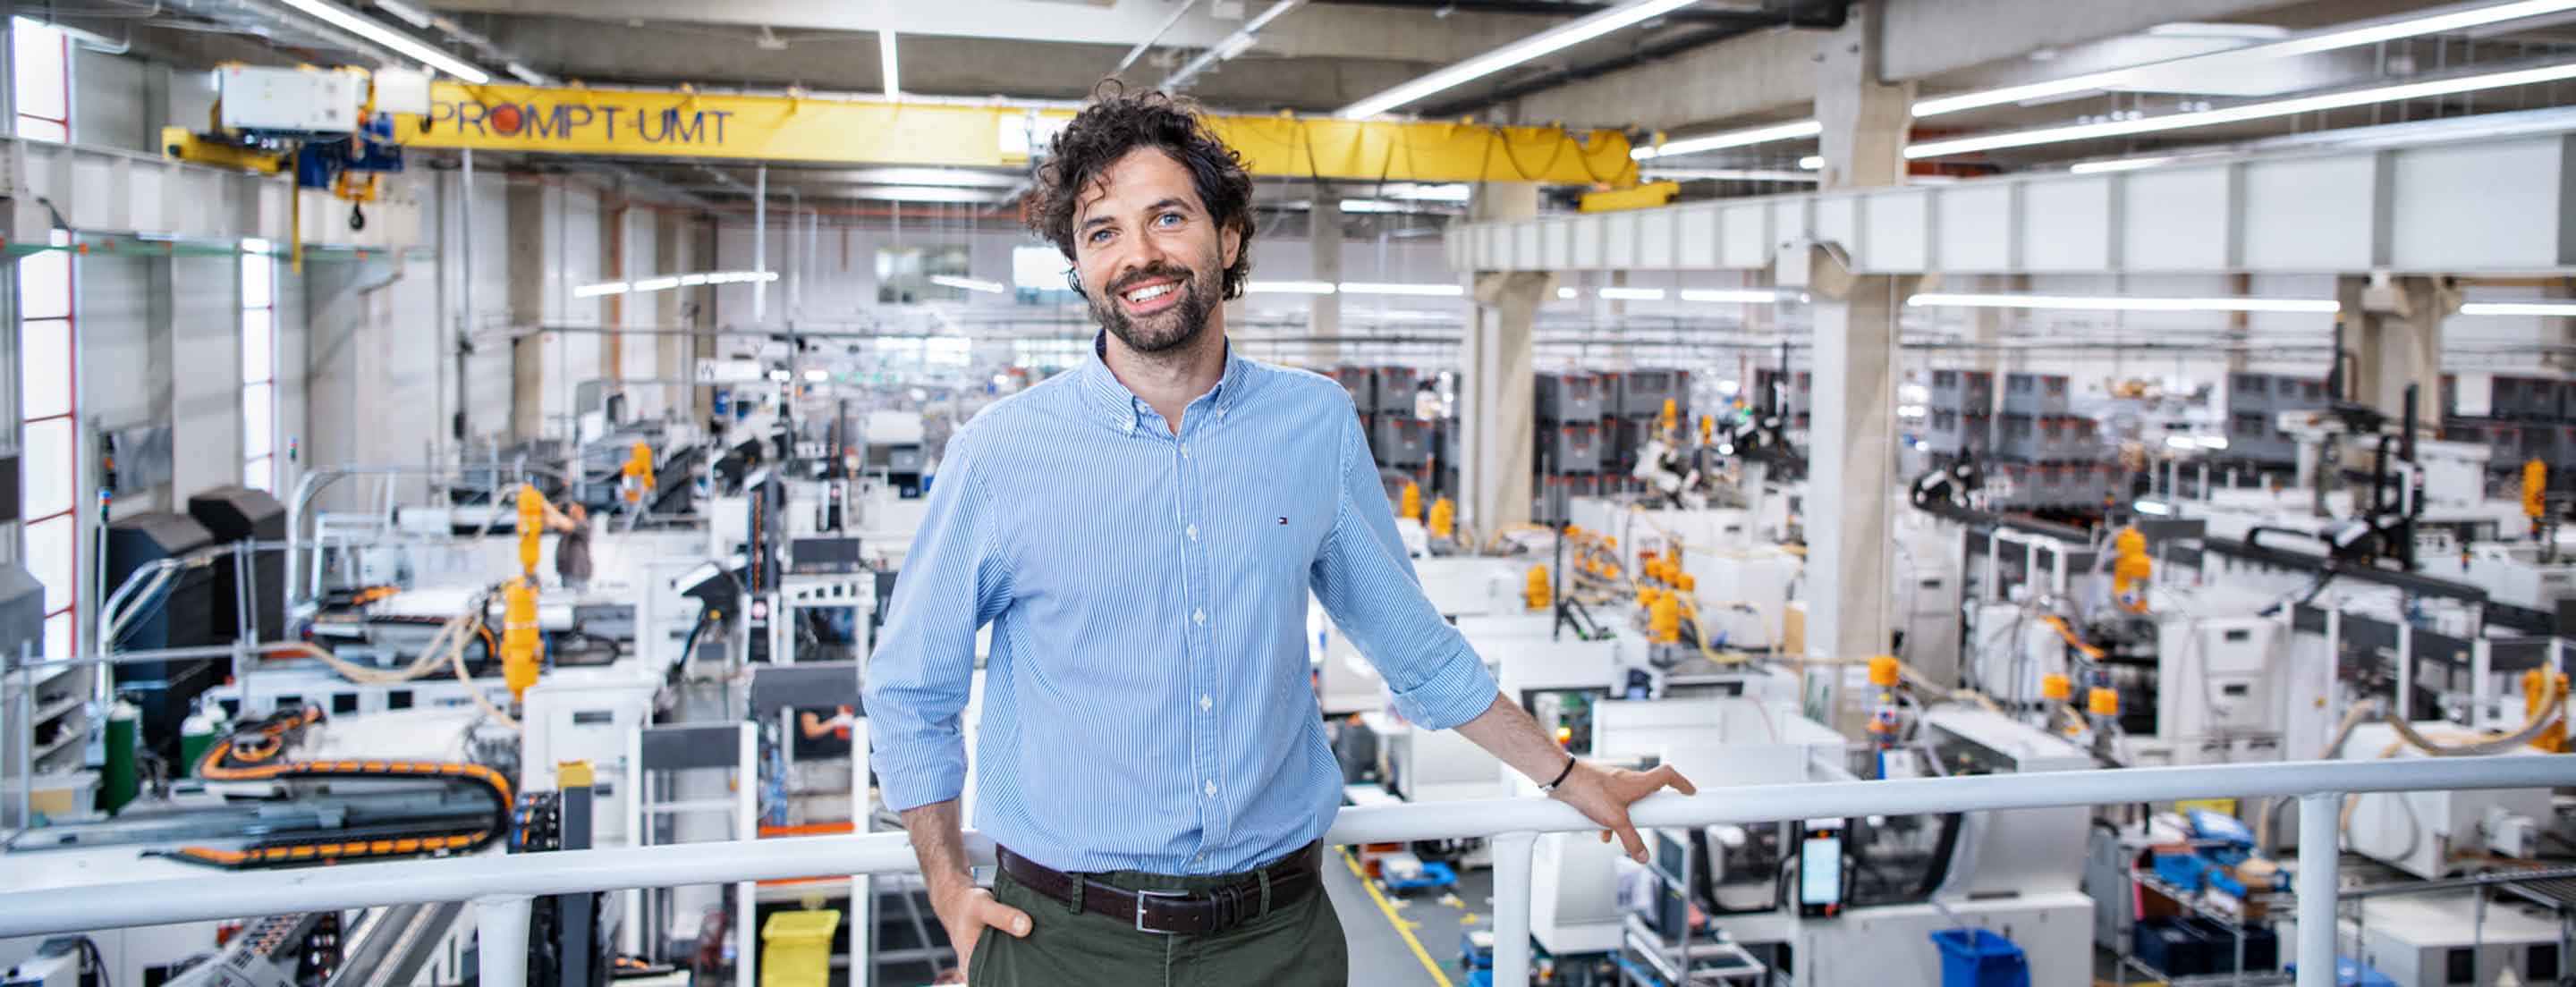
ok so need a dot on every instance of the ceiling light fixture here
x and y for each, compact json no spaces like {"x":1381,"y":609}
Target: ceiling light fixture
{"x":920,"y":193}
{"x":2240,"y":114}
{"x":347,"y":20}
{"x":1415,"y":290}
{"x":1617,"y":294}
{"x":1289,"y":287}
{"x":2359,"y":33}
{"x":968,"y":284}
{"x":1554,"y":39}
{"x":600,"y":289}
{"x":1725,"y":175}
{"x":1752,"y":296}
{"x":886,"y":61}
{"x":2122,"y":164}
{"x":411,"y":15}
{"x":2116,"y":304}
{"x":2518,"y":308}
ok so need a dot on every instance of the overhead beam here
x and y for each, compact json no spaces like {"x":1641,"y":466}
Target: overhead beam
{"x":1770,"y":71}
{"x":1365,"y":33}
{"x":662,"y":124}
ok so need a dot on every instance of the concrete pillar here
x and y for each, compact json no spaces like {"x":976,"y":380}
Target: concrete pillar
{"x":2559,"y":330}
{"x":675,"y":252}
{"x":1497,"y":419}
{"x":1851,"y":466}
{"x":531,"y":265}
{"x":1865,"y":120}
{"x":1986,"y":325}
{"x":2393,"y":327}
{"x":1324,"y":242}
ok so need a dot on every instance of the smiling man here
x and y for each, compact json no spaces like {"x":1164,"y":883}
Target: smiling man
{"x":1142,"y":534}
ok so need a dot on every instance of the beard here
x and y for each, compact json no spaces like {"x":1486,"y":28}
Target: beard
{"x":1163,"y":331}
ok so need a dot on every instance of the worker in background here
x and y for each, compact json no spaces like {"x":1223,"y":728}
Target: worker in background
{"x":1142,"y":534}
{"x":1426,"y":402}
{"x":572,"y":544}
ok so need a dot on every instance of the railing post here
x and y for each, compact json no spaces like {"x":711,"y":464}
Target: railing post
{"x":501,"y":939}
{"x":2319,"y":854}
{"x":1512,"y":907}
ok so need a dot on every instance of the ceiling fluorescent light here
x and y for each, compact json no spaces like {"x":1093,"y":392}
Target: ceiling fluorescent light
{"x":1632,"y":294}
{"x":1417,"y":290}
{"x":1812,"y":162}
{"x":600,"y":289}
{"x":2518,"y":308}
{"x":692,"y":280}
{"x":920,"y":193}
{"x":1792,"y":130}
{"x":968,"y":284}
{"x":1289,"y":287}
{"x":1553,"y":39}
{"x":817,"y":375}
{"x":1754,"y":296}
{"x":2114,"y":304}
{"x":1444,"y":192}
{"x":2307,"y":43}
{"x":658,"y":284}
{"x":344,"y":19}
{"x":2123,"y":164}
{"x":2239,"y":114}
{"x":1724,"y":175}
{"x":1567,"y":294}
{"x":886,"y":61}
{"x":411,"y":15}
{"x":526,"y":74}
{"x":2207,"y":29}
{"x":950,"y":177}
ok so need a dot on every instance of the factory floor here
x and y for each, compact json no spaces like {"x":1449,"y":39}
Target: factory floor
{"x":1378,"y":924}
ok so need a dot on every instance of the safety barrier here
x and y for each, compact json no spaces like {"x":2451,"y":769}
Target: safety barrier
{"x":501,"y":887}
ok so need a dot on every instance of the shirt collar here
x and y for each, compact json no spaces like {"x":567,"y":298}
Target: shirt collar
{"x":1121,"y":409}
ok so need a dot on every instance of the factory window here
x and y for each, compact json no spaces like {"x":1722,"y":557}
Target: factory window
{"x":43,"y":80}
{"x":49,"y":467}
{"x":259,"y":366}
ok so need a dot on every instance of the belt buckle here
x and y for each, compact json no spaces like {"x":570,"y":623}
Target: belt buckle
{"x":1140,"y":909}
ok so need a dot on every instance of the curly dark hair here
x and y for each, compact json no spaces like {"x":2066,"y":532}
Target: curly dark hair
{"x":1118,"y":121}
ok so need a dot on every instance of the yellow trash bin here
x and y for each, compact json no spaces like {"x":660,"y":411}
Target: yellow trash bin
{"x":796,"y":948}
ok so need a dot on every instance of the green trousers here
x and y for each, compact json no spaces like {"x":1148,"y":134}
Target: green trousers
{"x":1296,"y":946}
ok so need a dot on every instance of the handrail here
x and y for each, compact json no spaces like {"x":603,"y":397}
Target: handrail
{"x":502,"y":885}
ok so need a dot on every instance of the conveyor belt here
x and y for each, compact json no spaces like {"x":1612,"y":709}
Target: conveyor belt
{"x":251,"y":753}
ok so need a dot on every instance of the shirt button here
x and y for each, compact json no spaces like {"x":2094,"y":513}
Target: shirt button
{"x":1210,"y":789}
{"x":1194,"y":532}
{"x":1207,"y":702}
{"x":1199,"y":616}
{"x":1185,"y":450}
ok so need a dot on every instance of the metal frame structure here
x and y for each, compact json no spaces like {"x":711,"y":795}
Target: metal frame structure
{"x":501,"y":887}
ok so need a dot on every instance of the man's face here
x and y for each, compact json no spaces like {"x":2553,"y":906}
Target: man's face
{"x":1150,"y":257}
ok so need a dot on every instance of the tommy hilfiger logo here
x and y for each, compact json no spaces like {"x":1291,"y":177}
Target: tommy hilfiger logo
{"x":1283,"y":520}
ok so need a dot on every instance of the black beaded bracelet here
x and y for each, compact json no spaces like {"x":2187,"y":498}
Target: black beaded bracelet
{"x":1570,"y":762}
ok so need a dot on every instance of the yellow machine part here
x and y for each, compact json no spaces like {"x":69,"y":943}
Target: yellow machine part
{"x":2056,"y":688}
{"x":532,"y":524}
{"x":2131,"y":567}
{"x":1664,"y":619}
{"x":1647,"y":196}
{"x":2535,"y":489}
{"x":685,"y":124}
{"x":1409,"y":504}
{"x":1444,"y":518}
{"x":2535,"y":691}
{"x":639,"y":472}
{"x":2102,"y":702}
{"x":1707,"y":429}
{"x":1671,"y":420}
{"x":1537,"y":591}
{"x":178,"y":143}
{"x":1883,"y":671}
{"x":519,"y":643}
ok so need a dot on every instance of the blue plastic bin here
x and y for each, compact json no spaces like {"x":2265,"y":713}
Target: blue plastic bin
{"x":1978,"y":958}
{"x":2349,"y":973}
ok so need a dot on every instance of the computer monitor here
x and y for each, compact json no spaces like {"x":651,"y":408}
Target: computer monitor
{"x":1820,"y":871}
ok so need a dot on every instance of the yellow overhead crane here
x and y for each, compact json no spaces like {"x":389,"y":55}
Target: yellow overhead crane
{"x":685,"y":124}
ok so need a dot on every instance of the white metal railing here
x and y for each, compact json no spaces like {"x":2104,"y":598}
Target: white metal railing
{"x":501,"y":886}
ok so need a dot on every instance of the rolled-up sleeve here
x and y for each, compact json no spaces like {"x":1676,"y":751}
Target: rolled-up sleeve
{"x":954,"y":581}
{"x":1367,"y":584}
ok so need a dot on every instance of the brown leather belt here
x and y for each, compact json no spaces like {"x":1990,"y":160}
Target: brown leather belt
{"x":1195,"y":913}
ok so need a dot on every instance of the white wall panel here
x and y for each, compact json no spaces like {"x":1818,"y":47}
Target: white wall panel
{"x":1748,"y":234}
{"x":1897,"y":231}
{"x":2066,"y":224}
{"x":1655,"y":238}
{"x":2449,"y":200}
{"x":1973,"y":227}
{"x":2310,"y":214}
{"x":2176,"y":219}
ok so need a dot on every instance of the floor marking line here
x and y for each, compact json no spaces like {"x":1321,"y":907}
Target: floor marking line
{"x":1437,"y":974}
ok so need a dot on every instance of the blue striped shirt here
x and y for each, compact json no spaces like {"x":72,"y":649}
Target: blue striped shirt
{"x":1146,"y":702}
